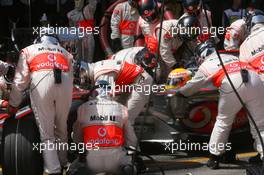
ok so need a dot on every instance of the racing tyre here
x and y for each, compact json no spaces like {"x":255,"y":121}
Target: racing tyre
{"x":19,"y":157}
{"x":255,"y":170}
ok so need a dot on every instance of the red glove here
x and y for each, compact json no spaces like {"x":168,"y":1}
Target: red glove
{"x":152,"y":44}
{"x":12,"y":110}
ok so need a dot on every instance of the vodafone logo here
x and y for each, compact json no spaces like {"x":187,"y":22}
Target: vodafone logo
{"x":262,"y":59}
{"x":146,"y":12}
{"x":132,"y":25}
{"x":51,"y":57}
{"x":199,"y":110}
{"x":102,"y":132}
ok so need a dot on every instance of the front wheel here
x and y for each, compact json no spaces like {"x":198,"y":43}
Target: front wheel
{"x":20,"y":157}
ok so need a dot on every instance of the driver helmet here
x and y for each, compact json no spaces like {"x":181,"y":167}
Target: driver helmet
{"x":178,"y":78}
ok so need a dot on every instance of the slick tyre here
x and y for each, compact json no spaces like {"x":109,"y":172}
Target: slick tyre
{"x":255,"y":170}
{"x":19,"y":157}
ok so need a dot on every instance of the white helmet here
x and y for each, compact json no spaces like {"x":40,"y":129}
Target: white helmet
{"x":84,"y":73}
{"x":103,"y":89}
{"x":204,"y":50}
{"x":254,"y":17}
{"x":79,"y":4}
{"x":49,"y":39}
{"x":48,"y":36}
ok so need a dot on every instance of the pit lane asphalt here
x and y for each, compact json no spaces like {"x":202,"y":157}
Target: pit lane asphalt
{"x":172,"y":165}
{"x":197,"y":166}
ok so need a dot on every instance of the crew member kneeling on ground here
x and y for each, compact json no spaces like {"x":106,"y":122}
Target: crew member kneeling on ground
{"x":250,"y":88}
{"x":46,"y":68}
{"x":103,"y":124}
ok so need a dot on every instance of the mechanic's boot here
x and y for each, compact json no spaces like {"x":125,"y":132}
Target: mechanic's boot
{"x":213,"y":162}
{"x":229,"y":157}
{"x":255,"y":160}
{"x":140,"y":164}
{"x":128,"y":170}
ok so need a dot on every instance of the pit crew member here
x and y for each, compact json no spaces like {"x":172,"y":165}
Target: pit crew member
{"x":46,"y":69}
{"x":82,"y":16}
{"x":124,"y":24}
{"x":250,"y":90}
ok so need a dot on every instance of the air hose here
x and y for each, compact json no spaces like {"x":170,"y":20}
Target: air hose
{"x":147,"y":107}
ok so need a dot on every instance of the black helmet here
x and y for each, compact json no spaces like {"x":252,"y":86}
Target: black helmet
{"x":191,"y":5}
{"x":148,"y":10}
{"x":189,"y":28}
{"x":146,"y":60}
{"x":253,"y":4}
{"x":204,"y":49}
{"x":254,"y":17}
{"x":133,"y":3}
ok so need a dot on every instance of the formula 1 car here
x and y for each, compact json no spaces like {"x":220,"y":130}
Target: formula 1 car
{"x":171,"y":118}
{"x":196,"y":113}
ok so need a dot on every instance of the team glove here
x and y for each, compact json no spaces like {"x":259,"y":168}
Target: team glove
{"x":11,"y":72}
{"x":12,"y":110}
{"x":179,"y":94}
{"x":116,"y":44}
{"x":77,"y":167}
